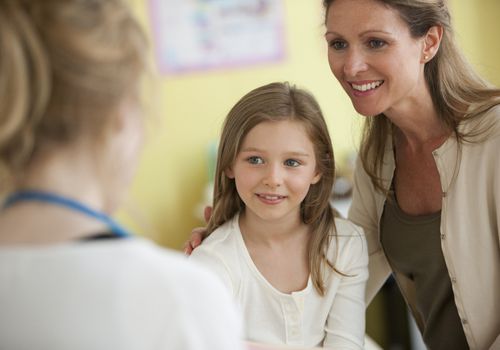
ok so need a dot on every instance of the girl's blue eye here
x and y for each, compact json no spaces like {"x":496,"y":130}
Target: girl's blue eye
{"x":255,"y":160}
{"x":292,"y":163}
{"x":337,"y":44}
{"x":376,"y":43}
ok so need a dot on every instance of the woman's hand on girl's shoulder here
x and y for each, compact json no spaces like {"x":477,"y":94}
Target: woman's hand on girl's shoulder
{"x":197,"y":234}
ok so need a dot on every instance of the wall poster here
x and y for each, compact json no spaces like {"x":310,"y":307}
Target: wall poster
{"x":193,"y":35}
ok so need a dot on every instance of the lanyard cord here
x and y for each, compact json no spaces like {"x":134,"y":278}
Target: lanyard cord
{"x":52,"y":198}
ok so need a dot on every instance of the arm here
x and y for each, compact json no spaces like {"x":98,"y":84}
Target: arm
{"x":363,"y":212}
{"x":345,"y":328}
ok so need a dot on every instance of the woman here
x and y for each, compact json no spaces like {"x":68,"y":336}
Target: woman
{"x":70,"y":131}
{"x":427,"y":182}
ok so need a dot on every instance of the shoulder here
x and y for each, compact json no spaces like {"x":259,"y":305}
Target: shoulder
{"x":349,"y":233}
{"x":348,"y":242}
{"x":492,"y":123}
{"x":151,"y":294}
{"x":348,"y":228}
{"x":492,"y":114}
{"x":481,"y":141}
{"x":485,"y":124}
{"x":221,"y":244}
{"x":189,"y":296}
{"x":221,"y":253}
{"x":143,"y":260}
{"x":224,"y":234}
{"x":145,"y":268}
{"x":186,"y":295}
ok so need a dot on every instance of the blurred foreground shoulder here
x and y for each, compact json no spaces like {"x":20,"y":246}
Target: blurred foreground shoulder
{"x":198,"y":311}
{"x":221,"y":253}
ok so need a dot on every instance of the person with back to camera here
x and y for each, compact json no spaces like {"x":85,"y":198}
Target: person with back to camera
{"x":297,"y":271}
{"x":70,"y":134}
{"x":427,"y":181}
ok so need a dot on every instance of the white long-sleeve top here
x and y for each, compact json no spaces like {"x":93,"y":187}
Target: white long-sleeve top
{"x":117,"y":294}
{"x":302,"y":318}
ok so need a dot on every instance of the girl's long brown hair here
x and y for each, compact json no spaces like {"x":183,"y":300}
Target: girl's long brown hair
{"x":277,"y":102}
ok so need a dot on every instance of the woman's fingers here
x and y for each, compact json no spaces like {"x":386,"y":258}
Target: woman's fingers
{"x":195,"y":239}
{"x":198,"y":233}
{"x":207,"y":213}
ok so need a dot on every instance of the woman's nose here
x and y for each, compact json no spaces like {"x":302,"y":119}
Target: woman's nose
{"x":355,"y":62}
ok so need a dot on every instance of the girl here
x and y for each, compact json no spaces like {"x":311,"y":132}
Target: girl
{"x":296,"y":270}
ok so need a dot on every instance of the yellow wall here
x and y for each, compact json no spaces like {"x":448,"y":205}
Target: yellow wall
{"x":478,"y":31}
{"x":191,"y":107}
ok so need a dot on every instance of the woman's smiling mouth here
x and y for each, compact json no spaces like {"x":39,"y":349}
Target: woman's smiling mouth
{"x":363,"y":87}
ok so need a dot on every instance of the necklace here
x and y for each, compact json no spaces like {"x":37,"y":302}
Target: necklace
{"x":52,"y":198}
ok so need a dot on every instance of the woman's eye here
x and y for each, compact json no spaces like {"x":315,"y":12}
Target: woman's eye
{"x":255,"y":160}
{"x":337,"y":44}
{"x":292,"y":163}
{"x":376,"y":43}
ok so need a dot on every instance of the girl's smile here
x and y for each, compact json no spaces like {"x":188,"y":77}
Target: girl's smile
{"x":271,"y":199}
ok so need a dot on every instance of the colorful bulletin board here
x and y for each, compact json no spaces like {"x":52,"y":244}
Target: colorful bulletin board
{"x":194,"y":35}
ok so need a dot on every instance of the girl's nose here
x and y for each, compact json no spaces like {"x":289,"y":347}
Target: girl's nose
{"x":273,"y":177}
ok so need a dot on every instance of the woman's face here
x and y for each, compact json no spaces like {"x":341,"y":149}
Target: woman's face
{"x":373,"y":56}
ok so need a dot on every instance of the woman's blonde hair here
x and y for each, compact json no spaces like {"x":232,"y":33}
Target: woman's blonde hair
{"x":65,"y":67}
{"x":457,"y":91}
{"x":271,"y":103}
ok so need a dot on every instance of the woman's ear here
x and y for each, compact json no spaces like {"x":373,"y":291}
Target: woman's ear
{"x":229,"y":173}
{"x":431,"y":41}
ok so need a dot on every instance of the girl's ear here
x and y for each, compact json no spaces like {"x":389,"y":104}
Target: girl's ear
{"x":432,"y":41}
{"x":316,"y":178}
{"x":229,"y":173}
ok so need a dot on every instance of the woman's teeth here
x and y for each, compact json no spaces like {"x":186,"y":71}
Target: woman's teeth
{"x":366,"y":87}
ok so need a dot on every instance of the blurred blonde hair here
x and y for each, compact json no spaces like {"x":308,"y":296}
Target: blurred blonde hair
{"x":459,"y":94}
{"x":66,"y":65}
{"x":272,"y":103}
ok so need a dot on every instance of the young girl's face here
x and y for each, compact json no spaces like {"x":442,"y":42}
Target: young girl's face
{"x":274,"y":169}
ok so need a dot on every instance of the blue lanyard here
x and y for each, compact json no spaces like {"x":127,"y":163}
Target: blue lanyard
{"x":41,"y":196}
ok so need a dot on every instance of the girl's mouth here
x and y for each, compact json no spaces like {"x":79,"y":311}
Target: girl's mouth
{"x":270,"y":197}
